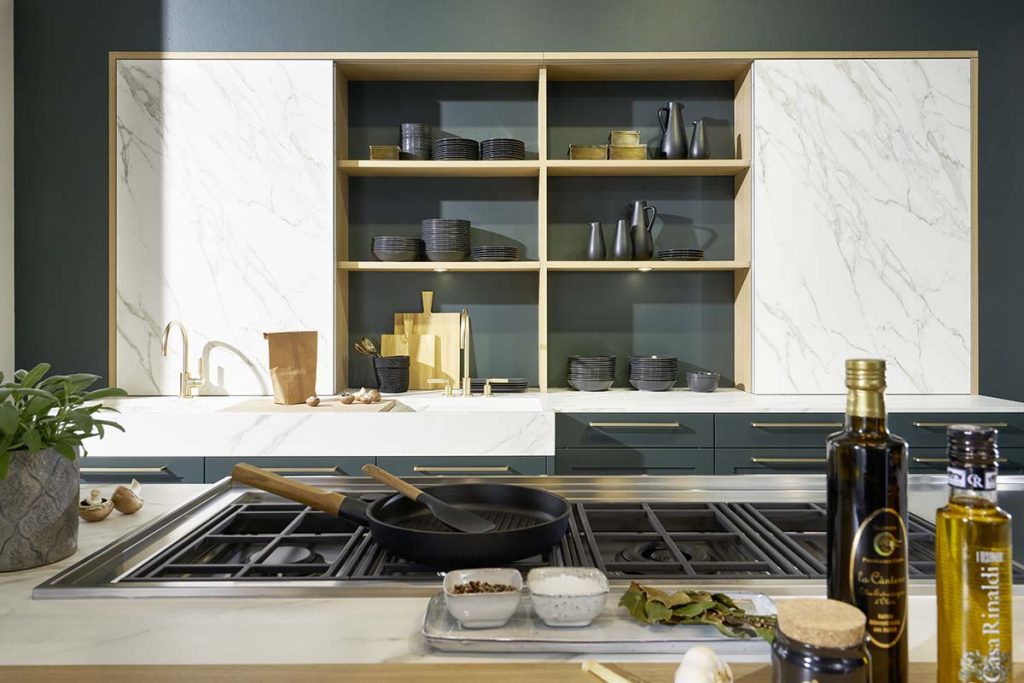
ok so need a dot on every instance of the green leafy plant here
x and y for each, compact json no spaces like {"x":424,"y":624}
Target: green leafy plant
{"x":39,"y":412}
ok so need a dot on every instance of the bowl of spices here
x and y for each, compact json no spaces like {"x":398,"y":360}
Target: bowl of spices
{"x":482,"y":598}
{"x":821,"y":640}
{"x":567,"y":596}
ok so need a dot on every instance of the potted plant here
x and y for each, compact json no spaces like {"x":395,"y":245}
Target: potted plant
{"x":43,"y":422}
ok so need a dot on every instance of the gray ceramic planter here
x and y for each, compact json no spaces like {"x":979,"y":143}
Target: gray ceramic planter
{"x":38,"y":510}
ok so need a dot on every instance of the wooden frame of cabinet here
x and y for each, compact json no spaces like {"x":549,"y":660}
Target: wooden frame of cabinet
{"x":541,"y":68}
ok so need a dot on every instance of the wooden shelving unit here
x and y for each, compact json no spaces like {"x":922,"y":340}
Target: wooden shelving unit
{"x":542,"y":69}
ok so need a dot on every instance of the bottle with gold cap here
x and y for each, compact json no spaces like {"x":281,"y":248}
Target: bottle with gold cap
{"x":867,"y":513}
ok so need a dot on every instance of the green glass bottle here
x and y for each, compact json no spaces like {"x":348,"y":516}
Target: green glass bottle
{"x":867,"y":519}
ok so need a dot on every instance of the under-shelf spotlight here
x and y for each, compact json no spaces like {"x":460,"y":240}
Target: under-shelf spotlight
{"x":440,"y":270}
{"x":645,"y":269}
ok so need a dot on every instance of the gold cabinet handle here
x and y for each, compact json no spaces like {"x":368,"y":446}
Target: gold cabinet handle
{"x":796,"y":425}
{"x":950,"y":424}
{"x":937,"y":461}
{"x":162,"y":469}
{"x":634,"y":425}
{"x":304,"y":470}
{"x":422,"y":469}
{"x":786,"y":461}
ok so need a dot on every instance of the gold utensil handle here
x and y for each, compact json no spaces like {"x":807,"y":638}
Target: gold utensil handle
{"x":391,"y":481}
{"x":304,"y":470}
{"x":634,"y":425}
{"x":424,"y":469}
{"x":796,"y":425}
{"x":950,"y":424}
{"x":786,"y":461}
{"x":162,"y":469}
{"x":610,"y":673}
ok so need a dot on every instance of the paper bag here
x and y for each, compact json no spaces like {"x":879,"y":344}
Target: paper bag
{"x":292,"y":365}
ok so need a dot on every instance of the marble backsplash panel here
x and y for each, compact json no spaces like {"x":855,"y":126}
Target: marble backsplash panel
{"x":862,"y":223}
{"x":224,"y":217}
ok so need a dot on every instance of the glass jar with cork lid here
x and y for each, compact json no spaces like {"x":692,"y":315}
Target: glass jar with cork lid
{"x":819,"y":640}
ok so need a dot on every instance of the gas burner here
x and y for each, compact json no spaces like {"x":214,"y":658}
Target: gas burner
{"x":288,"y":555}
{"x":658,"y":551}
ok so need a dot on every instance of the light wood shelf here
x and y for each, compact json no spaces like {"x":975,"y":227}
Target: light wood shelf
{"x":648,"y":167}
{"x":438,"y":266}
{"x":465,"y":169}
{"x":644,"y":266}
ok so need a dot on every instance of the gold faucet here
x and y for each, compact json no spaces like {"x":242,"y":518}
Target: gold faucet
{"x":493,"y":380}
{"x":186,"y":382}
{"x":467,"y":383}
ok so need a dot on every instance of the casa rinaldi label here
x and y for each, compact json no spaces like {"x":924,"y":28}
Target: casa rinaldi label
{"x":878,"y":575}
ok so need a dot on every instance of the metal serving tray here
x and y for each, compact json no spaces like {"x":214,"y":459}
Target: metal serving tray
{"x":612,"y":632}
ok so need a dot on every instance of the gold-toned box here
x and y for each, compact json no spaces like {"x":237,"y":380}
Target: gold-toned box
{"x":624,"y":137}
{"x":631,"y":152}
{"x":384,"y":152}
{"x":588,"y":152}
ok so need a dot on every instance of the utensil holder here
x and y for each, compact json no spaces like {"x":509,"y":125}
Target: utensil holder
{"x":392,"y":374}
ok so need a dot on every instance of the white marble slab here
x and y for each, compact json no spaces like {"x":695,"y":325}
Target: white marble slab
{"x":224,"y":217}
{"x":862,"y":208}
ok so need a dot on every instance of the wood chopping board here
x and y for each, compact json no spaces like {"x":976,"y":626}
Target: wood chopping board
{"x":444,"y":362}
{"x":327,"y":405}
{"x":422,"y":349}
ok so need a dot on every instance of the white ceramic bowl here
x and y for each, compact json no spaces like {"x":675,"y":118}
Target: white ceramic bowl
{"x":564,"y":609}
{"x":482,"y":610}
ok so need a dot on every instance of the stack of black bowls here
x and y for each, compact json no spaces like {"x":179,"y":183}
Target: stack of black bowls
{"x":456,"y":149}
{"x":415,"y":141}
{"x":502,"y":148}
{"x":393,"y":248}
{"x":591,"y":373}
{"x":653,"y":373}
{"x":392,"y":373}
{"x":445,"y":239}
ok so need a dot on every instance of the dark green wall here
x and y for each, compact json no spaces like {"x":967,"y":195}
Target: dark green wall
{"x":61,"y":51}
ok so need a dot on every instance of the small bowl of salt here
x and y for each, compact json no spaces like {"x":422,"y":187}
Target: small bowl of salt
{"x":567,"y":596}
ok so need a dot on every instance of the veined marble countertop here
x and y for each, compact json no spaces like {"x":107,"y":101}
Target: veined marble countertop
{"x":260,"y":631}
{"x":430,"y":424}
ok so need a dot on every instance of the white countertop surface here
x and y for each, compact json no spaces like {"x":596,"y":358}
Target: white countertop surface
{"x":257,"y":631}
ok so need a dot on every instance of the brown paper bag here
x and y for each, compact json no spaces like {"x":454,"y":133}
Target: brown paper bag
{"x":292,"y":365}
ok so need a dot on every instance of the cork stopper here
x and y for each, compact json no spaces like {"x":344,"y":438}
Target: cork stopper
{"x":821,"y":623}
{"x":865,"y":373}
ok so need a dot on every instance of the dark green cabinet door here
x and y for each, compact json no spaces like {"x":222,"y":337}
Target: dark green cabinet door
{"x":623,"y":461}
{"x":111,"y":470}
{"x":218,"y":468}
{"x":770,"y":461}
{"x":633,"y":430}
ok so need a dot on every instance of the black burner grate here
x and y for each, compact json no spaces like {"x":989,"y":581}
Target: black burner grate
{"x":676,"y":541}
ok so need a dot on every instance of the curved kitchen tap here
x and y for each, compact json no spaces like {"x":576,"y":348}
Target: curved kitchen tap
{"x":186,"y":382}
{"x":467,"y":384}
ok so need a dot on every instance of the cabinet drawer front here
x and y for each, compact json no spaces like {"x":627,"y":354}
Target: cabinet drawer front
{"x":929,"y":429}
{"x":775,"y":430}
{"x":218,"y":468}
{"x":184,"y":470}
{"x":934,"y":460}
{"x":464,"y":466}
{"x":633,"y":430}
{"x":770,"y":461}
{"x":623,"y":461}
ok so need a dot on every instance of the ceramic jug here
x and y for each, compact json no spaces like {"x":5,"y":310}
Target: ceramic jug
{"x":622,"y":250}
{"x":699,"y":142}
{"x":595,"y":247}
{"x":641,"y":226}
{"x":673,"y":131}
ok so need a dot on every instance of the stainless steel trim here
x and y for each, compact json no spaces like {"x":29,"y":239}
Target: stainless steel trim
{"x":785,"y":461}
{"x":950,"y":424}
{"x":634,"y":425}
{"x":796,"y":425}
{"x":421,"y":469}
{"x":162,"y":469}
{"x":304,"y":470}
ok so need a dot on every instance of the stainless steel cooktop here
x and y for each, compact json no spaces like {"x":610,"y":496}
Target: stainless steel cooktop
{"x":238,"y":541}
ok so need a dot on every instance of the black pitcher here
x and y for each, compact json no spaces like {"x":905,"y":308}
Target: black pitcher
{"x":673,"y":132}
{"x":699,"y":141}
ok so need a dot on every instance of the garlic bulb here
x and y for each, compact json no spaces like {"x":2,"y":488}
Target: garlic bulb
{"x":701,"y":665}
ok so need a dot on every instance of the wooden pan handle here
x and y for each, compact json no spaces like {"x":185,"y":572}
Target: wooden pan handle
{"x":388,"y":479}
{"x":316,"y":498}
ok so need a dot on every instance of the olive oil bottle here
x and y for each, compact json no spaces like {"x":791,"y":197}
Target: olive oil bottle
{"x":973,"y":565}
{"x":867,"y":513}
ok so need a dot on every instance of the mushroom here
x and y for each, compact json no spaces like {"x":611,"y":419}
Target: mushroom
{"x":313,"y":401}
{"x":347,"y":399}
{"x":95,"y":508}
{"x":128,"y":499}
{"x":374,"y":396}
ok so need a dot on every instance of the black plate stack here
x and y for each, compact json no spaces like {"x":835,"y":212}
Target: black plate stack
{"x":414,"y":141}
{"x":680,"y":255}
{"x":653,"y":373}
{"x":515,"y":385}
{"x":456,"y":149}
{"x":393,"y":248}
{"x":445,"y":239}
{"x":503,"y":148}
{"x":591,"y":373}
{"x":495,"y":253}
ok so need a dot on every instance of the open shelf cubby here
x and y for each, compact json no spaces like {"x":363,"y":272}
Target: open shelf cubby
{"x":529,"y":315}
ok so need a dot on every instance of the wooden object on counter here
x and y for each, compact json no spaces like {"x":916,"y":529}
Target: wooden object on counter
{"x":444,"y":362}
{"x":327,"y":406}
{"x":497,"y":672}
{"x":292,"y":365}
{"x":423,"y":351}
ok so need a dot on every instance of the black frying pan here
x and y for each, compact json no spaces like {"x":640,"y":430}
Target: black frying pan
{"x":528,"y":521}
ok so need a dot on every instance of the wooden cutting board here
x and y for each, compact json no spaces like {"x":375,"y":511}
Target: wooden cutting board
{"x":444,"y":362}
{"x":422,"y":350}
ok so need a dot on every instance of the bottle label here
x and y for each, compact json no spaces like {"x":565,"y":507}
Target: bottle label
{"x":972,"y":478}
{"x":986,"y":655}
{"x":878,"y":575}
